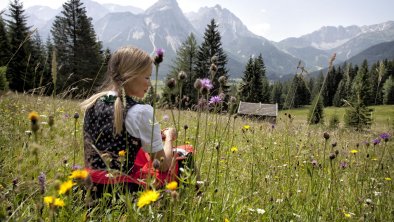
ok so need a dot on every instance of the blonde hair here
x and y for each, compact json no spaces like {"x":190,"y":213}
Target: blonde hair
{"x":124,"y":65}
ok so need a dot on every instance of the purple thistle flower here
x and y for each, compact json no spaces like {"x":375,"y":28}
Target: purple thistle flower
{"x":385,"y":136}
{"x":159,"y":56}
{"x":76,"y":167}
{"x":215,"y":100}
{"x":343,"y":165}
{"x":376,"y":141}
{"x":206,"y":83}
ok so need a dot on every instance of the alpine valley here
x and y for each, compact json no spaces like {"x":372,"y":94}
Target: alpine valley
{"x":165,"y":25}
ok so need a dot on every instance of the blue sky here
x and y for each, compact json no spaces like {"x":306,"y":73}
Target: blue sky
{"x":276,"y":19}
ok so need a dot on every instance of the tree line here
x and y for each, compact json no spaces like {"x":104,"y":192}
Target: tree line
{"x":73,"y":62}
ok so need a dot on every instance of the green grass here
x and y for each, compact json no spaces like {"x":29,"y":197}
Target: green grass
{"x":277,"y":174}
{"x":383,"y":115}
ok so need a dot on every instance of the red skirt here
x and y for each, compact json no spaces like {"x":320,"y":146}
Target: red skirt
{"x":142,"y":170}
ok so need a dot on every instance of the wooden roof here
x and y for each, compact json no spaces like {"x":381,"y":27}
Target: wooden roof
{"x":261,"y":109}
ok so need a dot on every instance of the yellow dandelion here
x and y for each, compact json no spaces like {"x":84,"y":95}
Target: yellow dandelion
{"x":147,"y":197}
{"x":33,"y":116}
{"x":226,"y":220}
{"x":387,"y":179}
{"x":66,"y":186}
{"x":374,"y":159}
{"x":246,"y":127}
{"x":347,"y":215}
{"x":59,"y":202}
{"x":79,"y":174}
{"x":172,"y":185}
{"x":354,"y":151}
{"x":234,"y":149}
{"x":48,"y":200}
{"x":122,"y":153}
{"x":187,"y":142}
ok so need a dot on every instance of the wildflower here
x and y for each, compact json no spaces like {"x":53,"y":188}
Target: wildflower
{"x":198,"y":84}
{"x":234,"y":149}
{"x":347,"y":215}
{"x":246,"y":127}
{"x":314,"y":163}
{"x":226,"y":220}
{"x":166,"y":118}
{"x":233,"y":100}
{"x":159,"y":56}
{"x":387,"y":179}
{"x":59,"y":203}
{"x":222,"y":80}
{"x":66,"y":186}
{"x":187,"y":142}
{"x":41,"y":182}
{"x":343,"y":165}
{"x":385,"y":136}
{"x":182,"y":75}
{"x":206,"y":83}
{"x":332,"y":156}
{"x":33,"y":116}
{"x":76,"y":115}
{"x":48,"y":200}
{"x":171,"y":83}
{"x":172,"y":185}
{"x":376,"y":141}
{"x":122,"y":153}
{"x":354,"y":151}
{"x":215,"y":100}
{"x":147,"y":197}
{"x":214,"y":59}
{"x":213,"y":69}
{"x":79,"y":174}
{"x":334,"y":144}
{"x":28,"y":133}
{"x":76,"y":167}
{"x":325,"y":135}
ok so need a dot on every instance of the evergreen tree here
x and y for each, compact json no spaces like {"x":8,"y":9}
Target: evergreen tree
{"x":276,"y":94}
{"x":361,"y":86}
{"x":315,"y":114}
{"x":19,"y":69}
{"x":210,"y":47}
{"x":318,"y":83}
{"x":388,"y":91}
{"x":4,"y":44}
{"x":265,"y":87}
{"x":331,"y":83}
{"x":3,"y":79}
{"x":79,"y":54}
{"x":298,"y":93}
{"x":357,"y":115}
{"x":245,"y":92}
{"x":343,"y":90}
{"x":185,"y":61}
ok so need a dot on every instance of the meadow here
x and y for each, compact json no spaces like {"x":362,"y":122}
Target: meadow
{"x":251,"y":170}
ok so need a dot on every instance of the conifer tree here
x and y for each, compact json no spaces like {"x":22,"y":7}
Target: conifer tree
{"x":210,"y":47}
{"x":4,"y":44}
{"x":3,"y":79}
{"x":361,"y":86}
{"x":298,"y":93}
{"x":265,"y":87}
{"x":79,"y":53}
{"x":185,"y":62}
{"x":277,"y":94}
{"x":388,"y":91}
{"x":19,"y":69}
{"x":316,"y":111}
{"x":245,"y":93}
{"x":343,"y":90}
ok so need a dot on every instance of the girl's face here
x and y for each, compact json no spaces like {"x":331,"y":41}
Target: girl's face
{"x":139,"y":85}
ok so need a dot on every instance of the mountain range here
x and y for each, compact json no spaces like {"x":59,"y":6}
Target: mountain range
{"x":164,"y":25}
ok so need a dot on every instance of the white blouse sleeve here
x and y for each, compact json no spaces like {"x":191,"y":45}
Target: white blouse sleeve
{"x":139,"y":124}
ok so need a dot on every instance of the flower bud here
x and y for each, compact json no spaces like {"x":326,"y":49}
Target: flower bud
{"x":182,"y":75}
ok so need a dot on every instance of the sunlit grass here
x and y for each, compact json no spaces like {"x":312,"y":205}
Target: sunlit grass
{"x":278,"y":172}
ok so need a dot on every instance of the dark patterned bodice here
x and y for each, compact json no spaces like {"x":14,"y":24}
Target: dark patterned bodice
{"x":101,"y":145}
